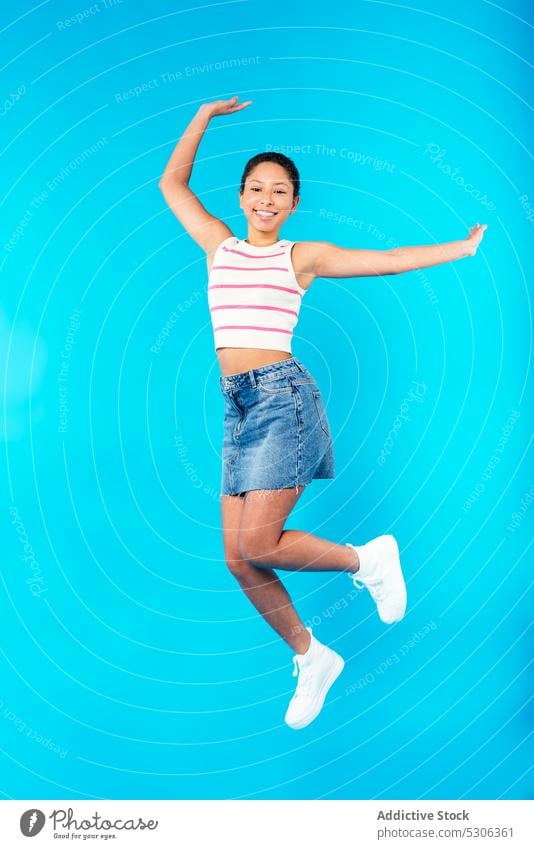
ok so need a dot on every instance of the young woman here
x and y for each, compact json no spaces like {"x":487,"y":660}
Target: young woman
{"x":276,"y":433}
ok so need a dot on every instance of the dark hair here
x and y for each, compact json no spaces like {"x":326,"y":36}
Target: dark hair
{"x":280,"y":159}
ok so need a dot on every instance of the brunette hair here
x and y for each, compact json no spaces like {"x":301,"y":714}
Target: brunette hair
{"x":286,"y":163}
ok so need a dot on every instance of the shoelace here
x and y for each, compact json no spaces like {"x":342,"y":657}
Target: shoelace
{"x":305,"y":677}
{"x":374,"y":585}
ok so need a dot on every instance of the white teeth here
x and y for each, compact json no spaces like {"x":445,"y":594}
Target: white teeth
{"x":264,"y":214}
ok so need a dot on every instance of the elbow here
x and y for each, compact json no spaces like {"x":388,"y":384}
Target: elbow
{"x":171,"y":186}
{"x":171,"y":179}
{"x":395,"y":266}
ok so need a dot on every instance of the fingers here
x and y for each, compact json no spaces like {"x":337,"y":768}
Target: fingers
{"x":233,"y":105}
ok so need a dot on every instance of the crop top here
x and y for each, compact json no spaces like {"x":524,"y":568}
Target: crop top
{"x":253,"y":295}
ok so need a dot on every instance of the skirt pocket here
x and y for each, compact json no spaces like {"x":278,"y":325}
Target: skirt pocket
{"x":279,"y":386}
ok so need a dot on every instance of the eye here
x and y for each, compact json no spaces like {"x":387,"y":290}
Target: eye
{"x":281,"y":192}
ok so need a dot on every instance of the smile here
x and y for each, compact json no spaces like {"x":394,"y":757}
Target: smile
{"x":263,"y":214}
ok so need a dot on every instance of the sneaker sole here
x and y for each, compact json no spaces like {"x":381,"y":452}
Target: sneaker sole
{"x":335,"y":671}
{"x":395,"y":556}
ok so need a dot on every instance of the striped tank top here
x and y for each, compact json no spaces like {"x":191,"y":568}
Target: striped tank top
{"x":253,"y":295}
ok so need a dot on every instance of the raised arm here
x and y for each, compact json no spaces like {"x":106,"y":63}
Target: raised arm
{"x":327,"y":260}
{"x":207,"y":230}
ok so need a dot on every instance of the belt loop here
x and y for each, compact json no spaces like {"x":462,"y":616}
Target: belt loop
{"x":252,"y":378}
{"x":299,"y":365}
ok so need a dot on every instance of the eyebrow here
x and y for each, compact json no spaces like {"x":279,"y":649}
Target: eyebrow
{"x":276,"y":183}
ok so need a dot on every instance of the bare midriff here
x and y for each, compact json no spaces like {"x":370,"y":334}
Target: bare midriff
{"x":236,"y":360}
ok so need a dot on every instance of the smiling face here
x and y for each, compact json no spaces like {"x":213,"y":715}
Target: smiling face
{"x":267,"y":200}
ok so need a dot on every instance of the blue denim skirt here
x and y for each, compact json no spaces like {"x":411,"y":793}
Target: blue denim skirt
{"x":276,"y":432}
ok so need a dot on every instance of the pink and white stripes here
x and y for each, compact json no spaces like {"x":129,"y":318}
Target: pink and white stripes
{"x":253,"y":295}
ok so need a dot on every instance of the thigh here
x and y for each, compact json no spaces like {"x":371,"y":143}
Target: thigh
{"x":264,"y":514}
{"x":231,"y":512}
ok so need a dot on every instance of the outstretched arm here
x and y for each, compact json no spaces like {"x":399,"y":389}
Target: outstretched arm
{"x":207,"y":230}
{"x":328,"y":260}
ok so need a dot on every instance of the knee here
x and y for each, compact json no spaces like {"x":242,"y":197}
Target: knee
{"x":237,"y":566}
{"x":254,"y":550}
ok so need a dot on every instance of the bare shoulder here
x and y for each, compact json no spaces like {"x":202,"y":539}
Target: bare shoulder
{"x":304,"y":259}
{"x":217,"y":235}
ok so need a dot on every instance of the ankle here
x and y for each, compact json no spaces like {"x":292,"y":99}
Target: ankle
{"x":299,"y":638}
{"x":354,"y":564}
{"x":303,"y":643}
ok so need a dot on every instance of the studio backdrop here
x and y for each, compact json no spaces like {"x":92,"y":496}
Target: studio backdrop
{"x":132,"y":664}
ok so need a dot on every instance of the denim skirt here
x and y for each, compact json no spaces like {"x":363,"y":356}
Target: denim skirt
{"x":276,"y":432}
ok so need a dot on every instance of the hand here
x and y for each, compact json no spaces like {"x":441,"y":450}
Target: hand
{"x":474,"y":239}
{"x":224,"y":107}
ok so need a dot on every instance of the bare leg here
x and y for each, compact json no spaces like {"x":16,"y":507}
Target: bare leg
{"x":263,"y":587}
{"x":262,"y":542}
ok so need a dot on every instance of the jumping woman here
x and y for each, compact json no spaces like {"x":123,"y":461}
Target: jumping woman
{"x":277,"y":437}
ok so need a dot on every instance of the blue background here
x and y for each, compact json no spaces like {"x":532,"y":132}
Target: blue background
{"x":134,"y":666}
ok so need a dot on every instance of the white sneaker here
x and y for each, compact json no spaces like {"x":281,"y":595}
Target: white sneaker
{"x":317,"y":670}
{"x":380,"y":571}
